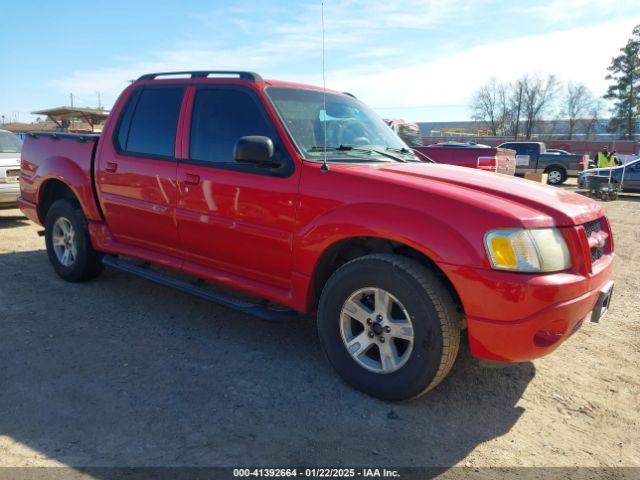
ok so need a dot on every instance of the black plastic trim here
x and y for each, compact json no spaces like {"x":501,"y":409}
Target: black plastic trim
{"x":78,"y":137}
{"x":251,"y":76}
{"x":220,"y":298}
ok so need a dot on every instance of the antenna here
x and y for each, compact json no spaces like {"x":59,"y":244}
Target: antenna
{"x":325,"y":166}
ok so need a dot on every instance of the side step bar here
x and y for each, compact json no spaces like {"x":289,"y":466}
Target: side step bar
{"x":249,"y":308}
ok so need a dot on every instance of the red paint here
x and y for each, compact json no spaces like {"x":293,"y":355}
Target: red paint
{"x":266,"y":235}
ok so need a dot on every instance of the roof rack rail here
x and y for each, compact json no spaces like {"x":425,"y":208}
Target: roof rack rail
{"x":251,"y":76}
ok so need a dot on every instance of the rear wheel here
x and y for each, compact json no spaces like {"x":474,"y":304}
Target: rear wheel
{"x":388,"y":326}
{"x":557,"y":175}
{"x":68,"y":244}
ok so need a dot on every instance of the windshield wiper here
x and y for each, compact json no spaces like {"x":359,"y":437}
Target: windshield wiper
{"x":358,"y":148}
{"x":405,"y":151}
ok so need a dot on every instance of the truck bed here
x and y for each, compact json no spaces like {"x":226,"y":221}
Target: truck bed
{"x":67,"y":157}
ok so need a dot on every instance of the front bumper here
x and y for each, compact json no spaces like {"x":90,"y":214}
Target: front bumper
{"x":9,"y":193}
{"x":514,"y":318}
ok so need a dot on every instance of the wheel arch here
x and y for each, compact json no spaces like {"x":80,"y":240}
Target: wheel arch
{"x":51,"y":190}
{"x":555,"y":166}
{"x":62,"y":175}
{"x":347,"y":249}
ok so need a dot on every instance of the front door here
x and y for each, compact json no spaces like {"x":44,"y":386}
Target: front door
{"x":233,"y":217}
{"x":136,"y":174}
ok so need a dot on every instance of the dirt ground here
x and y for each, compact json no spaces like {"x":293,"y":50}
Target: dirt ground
{"x":123,"y":372}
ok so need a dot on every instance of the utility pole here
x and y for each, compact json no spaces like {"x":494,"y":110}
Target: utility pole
{"x":72,"y":119}
{"x":99,"y":102}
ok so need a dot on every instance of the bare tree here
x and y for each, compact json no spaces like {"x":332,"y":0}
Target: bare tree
{"x":485,"y":106}
{"x":539,"y":95}
{"x":594,"y":114}
{"x":576,"y":105}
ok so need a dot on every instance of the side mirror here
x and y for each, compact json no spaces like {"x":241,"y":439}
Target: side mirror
{"x":255,"y":150}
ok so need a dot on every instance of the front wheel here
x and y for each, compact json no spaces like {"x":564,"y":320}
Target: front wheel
{"x":389,"y":326}
{"x":68,"y":244}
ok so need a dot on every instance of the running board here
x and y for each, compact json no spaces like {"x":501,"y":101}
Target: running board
{"x":262,"y":312}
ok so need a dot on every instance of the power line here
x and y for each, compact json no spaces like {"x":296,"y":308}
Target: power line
{"x":414,"y":107}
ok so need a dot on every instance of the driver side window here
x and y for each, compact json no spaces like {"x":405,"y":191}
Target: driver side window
{"x":220,"y":117}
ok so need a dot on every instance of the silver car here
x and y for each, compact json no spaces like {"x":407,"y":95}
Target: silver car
{"x":10,"y":147}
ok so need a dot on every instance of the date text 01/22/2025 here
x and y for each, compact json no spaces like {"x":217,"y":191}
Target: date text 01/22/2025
{"x":315,"y":473}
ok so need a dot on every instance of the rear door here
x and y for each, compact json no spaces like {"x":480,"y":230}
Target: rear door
{"x":136,"y":172}
{"x":232,"y":217}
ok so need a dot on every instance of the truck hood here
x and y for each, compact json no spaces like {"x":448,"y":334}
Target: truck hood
{"x":563,"y":207}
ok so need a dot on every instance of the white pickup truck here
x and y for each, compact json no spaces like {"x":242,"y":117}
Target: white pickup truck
{"x":10,"y":147}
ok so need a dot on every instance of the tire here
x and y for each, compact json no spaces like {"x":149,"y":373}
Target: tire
{"x":557,"y":176}
{"x":83,"y":262}
{"x":420,"y":364}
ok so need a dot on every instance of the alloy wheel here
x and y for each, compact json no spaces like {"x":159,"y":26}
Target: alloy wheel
{"x":64,"y":242}
{"x":376,"y":330}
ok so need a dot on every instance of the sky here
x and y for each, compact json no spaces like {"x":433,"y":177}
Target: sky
{"x":420,"y":60}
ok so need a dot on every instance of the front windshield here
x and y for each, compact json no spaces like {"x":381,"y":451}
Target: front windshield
{"x":9,"y":143}
{"x":353,"y":131}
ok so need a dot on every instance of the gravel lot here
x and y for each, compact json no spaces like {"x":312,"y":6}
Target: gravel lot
{"x":122,"y":372}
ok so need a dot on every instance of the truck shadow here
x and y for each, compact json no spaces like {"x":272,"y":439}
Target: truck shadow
{"x":629,"y":197}
{"x":12,"y":221}
{"x":121,"y":372}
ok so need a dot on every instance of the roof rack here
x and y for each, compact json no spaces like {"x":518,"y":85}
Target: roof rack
{"x":251,"y":76}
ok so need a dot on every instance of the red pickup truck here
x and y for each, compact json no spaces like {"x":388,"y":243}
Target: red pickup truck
{"x":471,"y":155}
{"x":306,"y":199}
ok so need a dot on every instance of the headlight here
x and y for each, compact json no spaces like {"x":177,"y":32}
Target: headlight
{"x":521,"y":250}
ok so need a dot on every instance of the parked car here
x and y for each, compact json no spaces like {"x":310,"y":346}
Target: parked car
{"x":627,"y":176}
{"x":229,"y":179}
{"x":532,"y":157}
{"x":10,"y":146}
{"x":472,"y":155}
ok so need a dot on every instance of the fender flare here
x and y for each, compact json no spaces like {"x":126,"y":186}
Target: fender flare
{"x":75,"y":178}
{"x":438,"y":240}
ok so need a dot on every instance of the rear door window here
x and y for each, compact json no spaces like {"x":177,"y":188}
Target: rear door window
{"x":148,"y":126}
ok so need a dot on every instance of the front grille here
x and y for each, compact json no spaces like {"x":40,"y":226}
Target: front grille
{"x":592,"y":228}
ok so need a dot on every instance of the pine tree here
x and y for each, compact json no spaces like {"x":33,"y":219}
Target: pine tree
{"x":625,"y":91}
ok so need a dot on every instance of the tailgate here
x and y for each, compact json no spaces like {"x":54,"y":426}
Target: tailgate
{"x":9,"y":167}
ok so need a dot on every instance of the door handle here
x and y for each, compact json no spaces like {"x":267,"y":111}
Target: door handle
{"x":111,"y":167}
{"x":191,"y":179}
